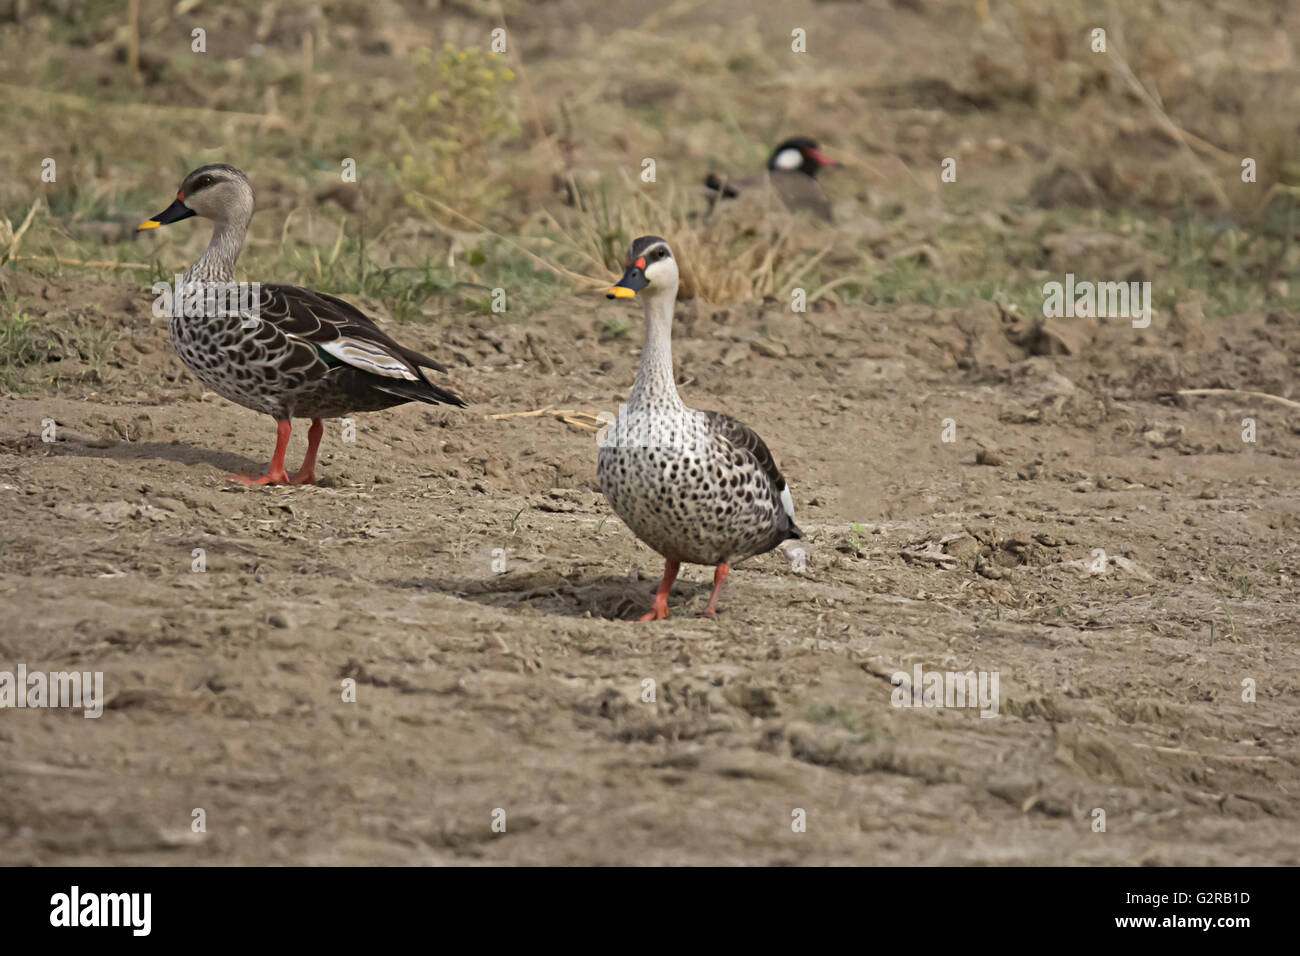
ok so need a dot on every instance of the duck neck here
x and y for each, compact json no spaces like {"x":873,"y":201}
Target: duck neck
{"x":654,"y":375}
{"x":217,"y":264}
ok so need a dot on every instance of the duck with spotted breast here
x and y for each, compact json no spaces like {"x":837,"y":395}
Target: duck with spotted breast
{"x":291,"y":352}
{"x":791,"y":176}
{"x":698,"y":487}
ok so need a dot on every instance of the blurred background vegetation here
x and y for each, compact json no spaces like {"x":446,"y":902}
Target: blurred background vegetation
{"x":521,"y":169}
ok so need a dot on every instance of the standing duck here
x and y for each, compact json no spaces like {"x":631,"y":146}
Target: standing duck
{"x":286,"y":351}
{"x":697,"y":487}
{"x":791,"y":174}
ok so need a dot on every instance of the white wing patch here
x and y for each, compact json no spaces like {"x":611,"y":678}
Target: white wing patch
{"x":368,"y":358}
{"x":786,"y":501}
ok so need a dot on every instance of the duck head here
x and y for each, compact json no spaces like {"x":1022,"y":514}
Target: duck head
{"x":650,"y":269}
{"x":218,"y":192}
{"x":799,"y":154}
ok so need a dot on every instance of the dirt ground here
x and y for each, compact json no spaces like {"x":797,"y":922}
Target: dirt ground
{"x":1111,"y":548}
{"x":522,"y":691}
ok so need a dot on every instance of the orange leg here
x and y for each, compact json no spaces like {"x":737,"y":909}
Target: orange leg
{"x":275,"y":475}
{"x":307,"y":473}
{"x":660,"y":609}
{"x":719,"y":575}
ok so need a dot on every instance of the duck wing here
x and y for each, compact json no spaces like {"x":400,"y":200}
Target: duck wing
{"x":725,"y":187}
{"x":797,"y":191}
{"x":344,"y":335}
{"x":746,"y":441}
{"x":801,"y":193}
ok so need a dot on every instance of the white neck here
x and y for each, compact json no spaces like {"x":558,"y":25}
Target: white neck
{"x":654,"y":375}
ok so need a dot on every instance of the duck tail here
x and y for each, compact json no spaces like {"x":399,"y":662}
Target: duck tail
{"x":713,"y":183}
{"x":787,"y":507}
{"x":423,"y":361}
{"x":421,"y":391}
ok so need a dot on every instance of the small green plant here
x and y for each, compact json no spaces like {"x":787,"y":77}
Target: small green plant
{"x":615,"y":328}
{"x":453,"y":133}
{"x":857,"y":543}
{"x":96,"y":349}
{"x":1232,"y":625}
{"x":829,"y":714}
{"x":21,"y":345}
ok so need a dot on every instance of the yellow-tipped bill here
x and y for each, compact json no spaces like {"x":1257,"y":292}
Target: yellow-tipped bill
{"x":173,"y":213}
{"x":633,"y":281}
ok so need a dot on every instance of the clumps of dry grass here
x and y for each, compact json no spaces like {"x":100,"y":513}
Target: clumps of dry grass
{"x":722,"y":257}
{"x":1199,"y":98}
{"x":11,"y":236}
